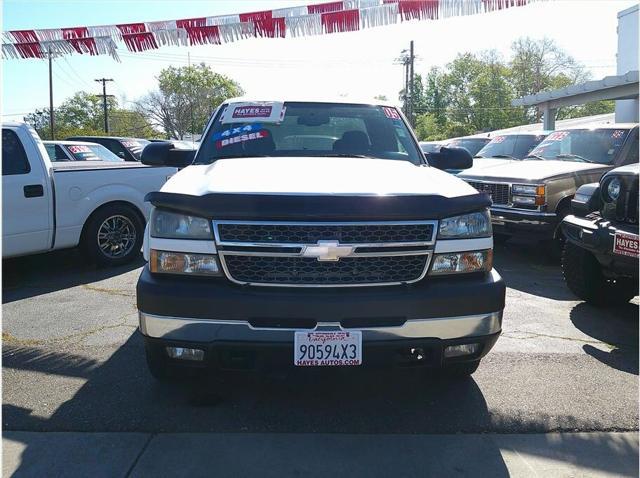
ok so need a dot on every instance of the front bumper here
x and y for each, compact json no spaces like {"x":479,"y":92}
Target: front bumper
{"x":211,"y":330}
{"x":227,"y":320}
{"x":597,"y":236}
{"x":518,"y":222}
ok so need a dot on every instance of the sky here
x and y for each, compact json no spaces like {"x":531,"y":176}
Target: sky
{"x":359,"y":63}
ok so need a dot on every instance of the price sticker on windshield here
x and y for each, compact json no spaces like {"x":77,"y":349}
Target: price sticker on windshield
{"x":557,"y":136}
{"x":79,"y":149}
{"x":391,"y":113}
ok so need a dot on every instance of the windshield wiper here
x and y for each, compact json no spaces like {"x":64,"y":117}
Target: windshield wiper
{"x":504,"y":156}
{"x":342,"y":155}
{"x":573,"y":156}
{"x":535,"y":156}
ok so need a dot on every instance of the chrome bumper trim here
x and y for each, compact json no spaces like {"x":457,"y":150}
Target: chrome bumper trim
{"x":207,"y":330}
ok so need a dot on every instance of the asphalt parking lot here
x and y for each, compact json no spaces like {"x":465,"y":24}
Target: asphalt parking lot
{"x":73,"y":362}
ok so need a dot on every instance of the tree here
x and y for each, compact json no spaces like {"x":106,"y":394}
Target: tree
{"x":185,"y":99}
{"x":473,"y":93}
{"x":83,"y":115}
{"x":539,"y":65}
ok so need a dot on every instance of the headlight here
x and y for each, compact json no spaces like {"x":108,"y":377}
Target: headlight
{"x":529,"y":195}
{"x":528,"y":189}
{"x":462,"y":262}
{"x":477,"y":224}
{"x":613,"y":189}
{"x":524,"y":200}
{"x":171,"y":225}
{"x":184,"y":263}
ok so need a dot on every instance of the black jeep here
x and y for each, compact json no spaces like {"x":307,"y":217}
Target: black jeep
{"x":600,"y":258}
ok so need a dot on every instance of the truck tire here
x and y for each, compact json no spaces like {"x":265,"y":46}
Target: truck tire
{"x":113,"y":235}
{"x":583,"y":275}
{"x":460,"y":369}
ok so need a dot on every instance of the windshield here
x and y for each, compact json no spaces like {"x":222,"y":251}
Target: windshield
{"x":473,"y":145}
{"x":515,"y":146}
{"x":308,"y":130}
{"x":135,"y":146}
{"x":582,"y":145}
{"x":91,"y":152}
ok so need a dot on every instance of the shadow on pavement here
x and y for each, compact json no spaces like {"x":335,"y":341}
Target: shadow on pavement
{"x":120,"y":396}
{"x":527,"y":267}
{"x":619,"y":329}
{"x":30,"y":276}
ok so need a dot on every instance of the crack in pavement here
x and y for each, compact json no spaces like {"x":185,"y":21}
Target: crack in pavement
{"x":71,"y":338}
{"x":533,"y":335}
{"x":104,"y":290}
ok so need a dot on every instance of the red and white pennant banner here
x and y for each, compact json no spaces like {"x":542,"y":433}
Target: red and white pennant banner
{"x":317,"y":19}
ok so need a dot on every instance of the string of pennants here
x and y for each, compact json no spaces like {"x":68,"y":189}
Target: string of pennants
{"x":317,"y":19}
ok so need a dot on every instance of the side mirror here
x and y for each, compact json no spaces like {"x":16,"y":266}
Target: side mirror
{"x":165,"y":154}
{"x":450,"y":158}
{"x":586,"y":200}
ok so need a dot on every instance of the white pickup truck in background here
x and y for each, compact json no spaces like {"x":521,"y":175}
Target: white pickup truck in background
{"x":46,"y":206}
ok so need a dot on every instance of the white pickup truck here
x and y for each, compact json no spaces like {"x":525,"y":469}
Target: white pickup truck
{"x":98,"y":205}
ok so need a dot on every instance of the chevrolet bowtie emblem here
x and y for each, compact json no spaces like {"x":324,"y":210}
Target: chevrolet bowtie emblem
{"x":327,"y":251}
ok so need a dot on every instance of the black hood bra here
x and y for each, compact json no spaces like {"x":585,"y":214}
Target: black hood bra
{"x":274,"y":207}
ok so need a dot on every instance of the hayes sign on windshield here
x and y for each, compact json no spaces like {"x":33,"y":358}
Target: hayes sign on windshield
{"x":252,"y":112}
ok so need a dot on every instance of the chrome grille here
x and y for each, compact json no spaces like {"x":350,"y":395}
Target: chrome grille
{"x":347,"y":271}
{"x":499,"y":192}
{"x":312,"y":233}
{"x":286,"y":254}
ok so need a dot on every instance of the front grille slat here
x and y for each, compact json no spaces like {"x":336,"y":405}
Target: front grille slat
{"x":303,"y":270}
{"x":311,"y":234}
{"x":499,"y":192}
{"x":273,"y":253}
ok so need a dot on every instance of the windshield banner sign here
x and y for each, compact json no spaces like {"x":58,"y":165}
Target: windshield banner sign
{"x":265,"y":112}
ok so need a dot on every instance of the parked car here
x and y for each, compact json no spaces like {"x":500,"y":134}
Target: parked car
{"x":473,"y":144}
{"x":508,"y":147}
{"x":600,"y":258}
{"x":78,"y":151}
{"x":128,"y":149}
{"x":531,"y":197}
{"x":98,"y":205}
{"x":358,"y":253}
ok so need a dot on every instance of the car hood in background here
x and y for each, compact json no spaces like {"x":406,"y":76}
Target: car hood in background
{"x":531,"y":170}
{"x":315,"y":176}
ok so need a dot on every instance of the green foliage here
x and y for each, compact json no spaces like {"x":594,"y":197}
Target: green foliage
{"x":82,"y":114}
{"x":185,"y":99}
{"x":473,"y":93}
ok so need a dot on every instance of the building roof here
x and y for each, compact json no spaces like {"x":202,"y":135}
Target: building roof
{"x":615,"y":87}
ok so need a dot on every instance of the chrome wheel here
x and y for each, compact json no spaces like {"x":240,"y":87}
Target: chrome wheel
{"x":116,"y":236}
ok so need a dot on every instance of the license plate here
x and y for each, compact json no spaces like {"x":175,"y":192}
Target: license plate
{"x":625,"y":244}
{"x":327,"y":349}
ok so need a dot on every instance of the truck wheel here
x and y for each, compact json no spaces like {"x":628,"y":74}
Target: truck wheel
{"x":583,"y":275}
{"x":460,"y":369}
{"x":113,"y":235}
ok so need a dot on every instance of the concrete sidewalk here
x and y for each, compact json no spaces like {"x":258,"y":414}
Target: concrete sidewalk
{"x":280,"y":455}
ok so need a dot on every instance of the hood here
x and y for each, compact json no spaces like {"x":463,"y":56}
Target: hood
{"x":315,"y":176}
{"x":531,"y":170}
{"x":483,"y":163}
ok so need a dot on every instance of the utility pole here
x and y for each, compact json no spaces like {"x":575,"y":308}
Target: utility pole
{"x":104,"y":101}
{"x":51,"y":114}
{"x":407,"y":60}
{"x":411,"y":97}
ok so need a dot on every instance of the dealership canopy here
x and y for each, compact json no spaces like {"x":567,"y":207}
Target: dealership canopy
{"x":316,"y":19}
